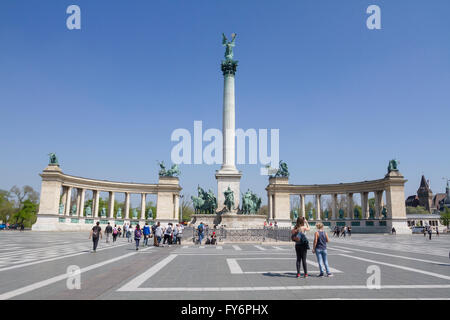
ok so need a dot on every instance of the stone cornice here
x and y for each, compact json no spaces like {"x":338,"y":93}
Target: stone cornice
{"x":106,"y":186}
{"x":341,"y":188}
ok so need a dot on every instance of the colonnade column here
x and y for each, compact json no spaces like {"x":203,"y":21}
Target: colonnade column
{"x":378,"y":203}
{"x":63,"y":199}
{"x":350,"y":213}
{"x":269,"y":205}
{"x":334,"y":206}
{"x":176,"y":207}
{"x":111,"y":205}
{"x":365,"y":205}
{"x":77,"y":213}
{"x":96,"y":201}
{"x":82,"y":198}
{"x":143,"y":196}
{"x":302,"y":205}
{"x":68,"y":201}
{"x":318,"y":207}
{"x":127,"y":206}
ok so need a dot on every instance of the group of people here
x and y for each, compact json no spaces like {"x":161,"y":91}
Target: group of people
{"x":342,"y":231}
{"x":170,"y":234}
{"x":429,"y":230}
{"x":202,"y":229}
{"x":302,"y":246}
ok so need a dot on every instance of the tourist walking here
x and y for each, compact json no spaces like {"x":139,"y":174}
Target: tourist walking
{"x":201,"y":232}
{"x":108,"y":232}
{"x":129,"y":233}
{"x":320,"y":249}
{"x":301,"y":244}
{"x":137,"y":236}
{"x":146,"y":232}
{"x":115,"y":233}
{"x":430,"y":231}
{"x":96,"y":234}
{"x":394,"y":231}
{"x":155,"y":241}
{"x":437,"y":231}
{"x":179,"y":233}
{"x":175,"y":234}
{"x":125,"y":229}
{"x":168,"y":234}
{"x":349,"y":230}
{"x":158,"y":234}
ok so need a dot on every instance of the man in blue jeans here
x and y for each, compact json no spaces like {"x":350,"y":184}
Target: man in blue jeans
{"x":320,"y":249}
{"x":201,"y":233}
{"x":146,"y":232}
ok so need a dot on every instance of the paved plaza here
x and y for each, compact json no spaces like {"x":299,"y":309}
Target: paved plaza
{"x":35,"y":266}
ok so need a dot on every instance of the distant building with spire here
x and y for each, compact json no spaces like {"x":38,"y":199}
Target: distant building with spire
{"x":445,"y":202}
{"x":427,"y":200}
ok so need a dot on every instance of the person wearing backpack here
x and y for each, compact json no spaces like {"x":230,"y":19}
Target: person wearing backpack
{"x":175,"y":234}
{"x":129,"y":233}
{"x":146,"y":232}
{"x":168,"y":234}
{"x":108,"y":232}
{"x":158,"y":234}
{"x":155,"y":241}
{"x":96,"y":234}
{"x":201,"y":233}
{"x":115,"y":233}
{"x":301,"y":244}
{"x":137,"y":236}
{"x":320,"y":249}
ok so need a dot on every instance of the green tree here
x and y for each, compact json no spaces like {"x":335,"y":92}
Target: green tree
{"x":188,"y":208}
{"x":6,"y":206}
{"x":416,"y":210}
{"x":27,"y":214}
{"x":445,"y":217}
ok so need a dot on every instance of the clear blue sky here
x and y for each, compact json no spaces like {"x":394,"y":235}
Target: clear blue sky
{"x":107,"y":98}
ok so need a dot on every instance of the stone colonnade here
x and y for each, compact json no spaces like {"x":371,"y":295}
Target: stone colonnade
{"x":279,"y":191}
{"x":56,"y":207}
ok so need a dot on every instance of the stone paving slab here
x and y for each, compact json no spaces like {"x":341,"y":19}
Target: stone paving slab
{"x":202,"y":272}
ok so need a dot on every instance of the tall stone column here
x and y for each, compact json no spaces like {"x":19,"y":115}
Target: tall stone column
{"x":68,"y":201}
{"x":228,"y":175}
{"x":318,"y":207}
{"x":96,"y":202}
{"x":82,"y":198}
{"x":111,"y":205}
{"x":378,"y":203}
{"x":64,"y":199}
{"x":78,"y":202}
{"x":176,"y":199}
{"x":350,"y":213}
{"x":334,"y":209}
{"x":127,"y":205}
{"x":269,"y":205}
{"x":143,"y":197}
{"x":365,"y":205}
{"x":302,"y":205}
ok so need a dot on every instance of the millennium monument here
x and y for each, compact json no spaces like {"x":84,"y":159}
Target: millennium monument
{"x":228,"y":177}
{"x":59,"y":211}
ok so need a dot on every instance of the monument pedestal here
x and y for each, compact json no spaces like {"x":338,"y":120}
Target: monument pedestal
{"x":226,"y":179}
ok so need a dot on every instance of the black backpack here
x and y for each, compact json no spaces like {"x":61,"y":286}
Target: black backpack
{"x":200,"y":229}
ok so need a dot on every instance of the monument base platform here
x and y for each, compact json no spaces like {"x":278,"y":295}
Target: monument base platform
{"x":230,"y":220}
